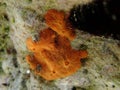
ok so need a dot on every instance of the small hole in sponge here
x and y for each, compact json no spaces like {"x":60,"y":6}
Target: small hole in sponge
{"x":67,"y":63}
{"x":54,"y":72}
{"x":33,"y":49}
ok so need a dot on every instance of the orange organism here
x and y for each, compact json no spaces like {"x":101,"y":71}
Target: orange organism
{"x":57,"y":21}
{"x":53,"y":56}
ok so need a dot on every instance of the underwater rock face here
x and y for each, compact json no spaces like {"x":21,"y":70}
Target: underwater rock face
{"x":100,"y":71}
{"x":100,"y":17}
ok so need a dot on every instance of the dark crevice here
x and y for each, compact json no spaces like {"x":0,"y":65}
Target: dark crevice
{"x":101,"y":17}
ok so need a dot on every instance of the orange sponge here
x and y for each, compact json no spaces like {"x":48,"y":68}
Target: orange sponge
{"x":53,"y":56}
{"x":58,"y":22}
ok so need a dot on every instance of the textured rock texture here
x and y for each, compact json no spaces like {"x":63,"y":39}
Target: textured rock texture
{"x":100,"y":71}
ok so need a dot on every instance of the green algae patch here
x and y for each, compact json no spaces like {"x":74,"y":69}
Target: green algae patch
{"x":4,"y":33}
